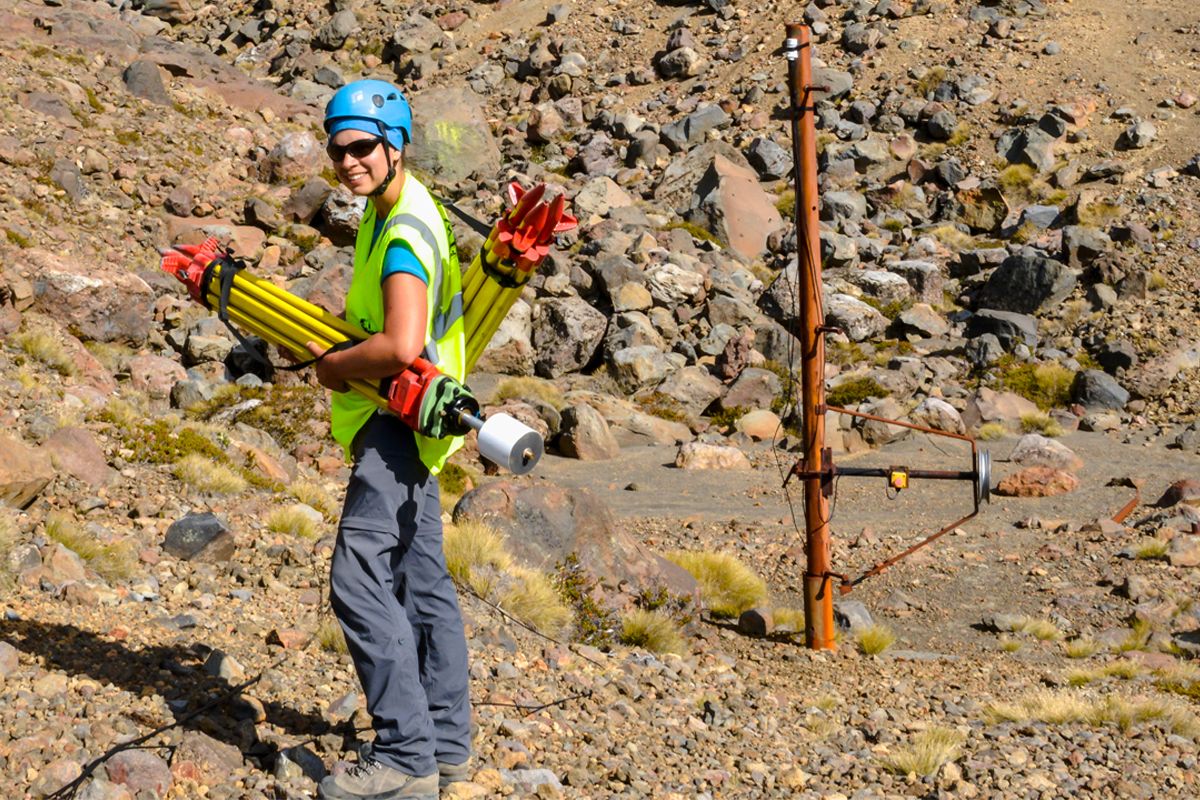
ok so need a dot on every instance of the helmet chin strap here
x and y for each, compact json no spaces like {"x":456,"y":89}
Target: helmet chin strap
{"x":387,"y":154}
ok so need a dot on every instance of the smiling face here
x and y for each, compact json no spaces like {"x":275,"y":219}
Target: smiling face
{"x":361,"y":168}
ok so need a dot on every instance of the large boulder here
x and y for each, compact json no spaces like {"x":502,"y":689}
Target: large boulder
{"x":1096,"y":390}
{"x":680,"y":178}
{"x":24,"y":472}
{"x":546,"y":524}
{"x":585,"y":435}
{"x":634,"y":368}
{"x":857,"y":320}
{"x":987,"y":405}
{"x":629,"y":422}
{"x":1034,"y":450}
{"x":1027,"y":284}
{"x":566,"y":334}
{"x":94,"y":301}
{"x":936,"y":413}
{"x":298,"y":156}
{"x":729,"y":201}
{"x":693,"y":388}
{"x":1009,"y":328}
{"x":707,"y":455}
{"x":510,"y":352}
{"x":599,"y":196}
{"x":75,"y":451}
{"x":451,"y":137}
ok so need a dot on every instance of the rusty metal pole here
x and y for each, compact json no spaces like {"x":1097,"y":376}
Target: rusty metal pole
{"x":818,"y":585}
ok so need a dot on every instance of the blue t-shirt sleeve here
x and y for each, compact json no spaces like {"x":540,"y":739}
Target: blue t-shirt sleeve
{"x":400,"y":258}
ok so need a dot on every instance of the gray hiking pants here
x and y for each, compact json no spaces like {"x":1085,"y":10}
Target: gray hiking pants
{"x":397,"y":604}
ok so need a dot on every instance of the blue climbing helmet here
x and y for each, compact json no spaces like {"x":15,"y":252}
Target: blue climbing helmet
{"x":371,"y":106}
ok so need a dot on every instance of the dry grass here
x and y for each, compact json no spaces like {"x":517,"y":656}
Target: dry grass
{"x":1083,"y":647}
{"x":1042,"y":629}
{"x":111,"y":561}
{"x":331,"y":637}
{"x":293,"y":521}
{"x":1098,"y":215}
{"x":992,"y":431}
{"x":1124,"y":669}
{"x":1152,"y":548}
{"x":475,"y":556}
{"x":208,"y":477}
{"x":931,"y":80}
{"x":874,"y":639}
{"x":114,"y":357}
{"x":651,"y":630}
{"x":530,"y":597}
{"x":1138,"y":637}
{"x":1066,"y":707}
{"x":8,"y":540}
{"x":527,"y":389}
{"x":1041,"y":422}
{"x":728,"y":585}
{"x":952,"y":238}
{"x":25,"y":378}
{"x":42,"y":346}
{"x":125,"y":412}
{"x":926,"y":754}
{"x":1010,"y":644}
{"x":314,"y":495}
{"x":789,"y":617}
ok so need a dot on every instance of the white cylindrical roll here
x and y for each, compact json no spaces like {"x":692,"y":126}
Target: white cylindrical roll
{"x":511,"y":444}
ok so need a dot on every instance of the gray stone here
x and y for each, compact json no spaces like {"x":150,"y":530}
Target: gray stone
{"x":1081,"y":246}
{"x":451,"y":137}
{"x":585,"y":435}
{"x":1027,"y":284}
{"x":922,"y":320}
{"x":201,"y":538}
{"x":334,"y":33}
{"x":936,"y":413}
{"x":857,"y":320}
{"x":837,"y":206}
{"x":852,"y":615}
{"x":1009,"y":328}
{"x":143,"y":79}
{"x":923,"y":276}
{"x":693,"y":388}
{"x":942,"y":125}
{"x":754,"y":388}
{"x":683,"y":62}
{"x":771,"y":160}
{"x":1118,"y":355}
{"x":566,"y":334}
{"x":693,"y":129}
{"x":858,"y":38}
{"x":634,"y":368}
{"x":1098,"y":391}
{"x":1140,"y":134}
{"x":1034,"y":450}
{"x":756,"y":622}
{"x":984,"y":350}
{"x":1041,"y":217}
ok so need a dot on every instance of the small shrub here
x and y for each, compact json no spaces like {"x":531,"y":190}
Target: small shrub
{"x":1083,"y":647}
{"x":695,"y":230}
{"x":1138,"y":637}
{"x":112,"y":561}
{"x":727,"y":417}
{"x":127,"y":137}
{"x":293,"y":521}
{"x":728,"y":586}
{"x":890,"y":310}
{"x":42,"y":346}
{"x":1151,"y":548}
{"x":527,"y":389}
{"x":651,"y":630}
{"x":331,"y":637}
{"x":113,"y":356}
{"x":1042,"y":629}
{"x":475,"y":556}
{"x":992,"y":431}
{"x":786,"y":204}
{"x":1015,"y":181}
{"x":930,"y":81}
{"x":854,"y":392}
{"x":594,"y":623}
{"x":874,"y":639}
{"x":315,"y":496}
{"x":663,"y":406}
{"x":1047,"y":385}
{"x":961,"y":135}
{"x":1156,"y":281}
{"x":208,"y":477}
{"x":455,"y":479}
{"x":1041,"y":422}
{"x":530,"y":597}
{"x":290,"y":414}
{"x":1098,"y":215}
{"x":846,"y":353}
{"x":929,"y":751}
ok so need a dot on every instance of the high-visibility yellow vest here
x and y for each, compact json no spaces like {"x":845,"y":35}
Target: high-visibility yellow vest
{"x":420,"y":222}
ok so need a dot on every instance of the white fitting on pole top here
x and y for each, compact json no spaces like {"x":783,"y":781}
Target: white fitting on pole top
{"x":511,"y":444}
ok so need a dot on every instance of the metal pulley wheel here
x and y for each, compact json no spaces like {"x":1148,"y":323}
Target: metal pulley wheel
{"x":983,"y":477}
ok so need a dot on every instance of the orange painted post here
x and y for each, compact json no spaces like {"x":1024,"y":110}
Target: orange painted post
{"x":818,"y":584}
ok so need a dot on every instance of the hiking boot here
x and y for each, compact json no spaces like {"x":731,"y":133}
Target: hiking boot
{"x":370,"y":780}
{"x":453,"y":773}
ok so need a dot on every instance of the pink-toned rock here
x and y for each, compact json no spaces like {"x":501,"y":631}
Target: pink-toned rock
{"x":704,"y":455}
{"x":761,"y":425}
{"x":297,"y":157}
{"x":327,"y":288}
{"x":903,"y":147}
{"x":1186,"y":100}
{"x":63,"y":564}
{"x":50,"y":684}
{"x":1153,"y":661}
{"x":98,"y":789}
{"x":89,"y":368}
{"x":94,"y":301}
{"x":1034,"y":450}
{"x":245,"y":241}
{"x":289,"y":638}
{"x":75,"y":450}
{"x":264,"y":464}
{"x":8,"y":659}
{"x":24,"y":472}
{"x":987,"y":405}
{"x":1184,"y":491}
{"x":140,"y":769}
{"x":738,"y":212}
{"x":155,"y":375}
{"x":1038,"y":482}
{"x":54,"y":776}
{"x":586,"y":436}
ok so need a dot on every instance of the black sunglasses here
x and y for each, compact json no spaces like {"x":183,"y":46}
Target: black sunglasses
{"x":360,"y":149}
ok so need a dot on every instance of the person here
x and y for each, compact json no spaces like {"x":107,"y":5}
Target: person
{"x":389,"y":586}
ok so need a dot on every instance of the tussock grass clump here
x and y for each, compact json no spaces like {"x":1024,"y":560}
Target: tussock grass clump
{"x":952,"y":238}
{"x":122,"y":413}
{"x":1063,"y":708}
{"x":651,"y":630}
{"x":8,"y":540}
{"x":729,"y":586}
{"x":874,"y":639}
{"x":992,"y":431}
{"x":315,"y":496}
{"x":789,"y":617}
{"x":331,"y":637}
{"x":1042,"y":706}
{"x":855,"y":391}
{"x":786,"y":204}
{"x":926,"y":754}
{"x":931,"y":80}
{"x":207,"y":476}
{"x":1138,"y":637}
{"x":1151,"y":548}
{"x":112,"y":561}
{"x":1083,"y":647}
{"x":1010,"y":644}
{"x":42,"y":346}
{"x":527,"y":389}
{"x":1042,"y":629}
{"x":1124,"y":669}
{"x":1048,"y":385}
{"x":1098,"y":215}
{"x":530,"y":597}
{"x":113,"y":356}
{"x":1041,"y":422}
{"x":293,"y":521}
{"x":475,"y":555}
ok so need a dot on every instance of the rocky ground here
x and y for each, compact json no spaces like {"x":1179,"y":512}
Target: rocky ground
{"x":1009,"y":194}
